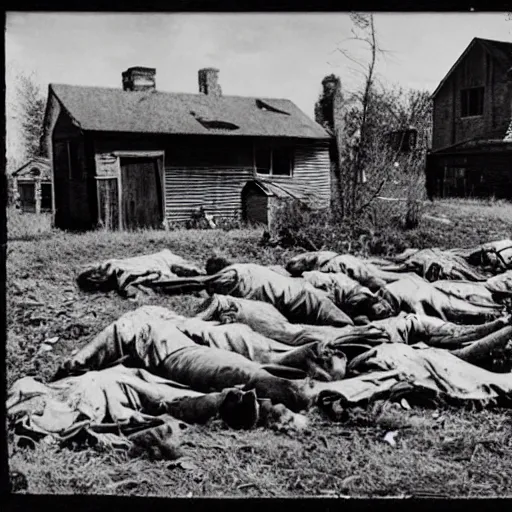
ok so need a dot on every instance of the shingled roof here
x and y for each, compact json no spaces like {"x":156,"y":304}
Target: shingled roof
{"x":116,"y":110}
{"x":499,"y":50}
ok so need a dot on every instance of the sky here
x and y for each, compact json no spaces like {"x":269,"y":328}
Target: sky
{"x":282,"y":55}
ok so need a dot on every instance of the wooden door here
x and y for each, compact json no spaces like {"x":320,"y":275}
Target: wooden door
{"x":141,"y":193}
{"x":27,"y":196}
{"x":46,"y":196}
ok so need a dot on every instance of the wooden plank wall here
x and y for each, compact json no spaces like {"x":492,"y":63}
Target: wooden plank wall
{"x":312,"y":171}
{"x":219,"y":190}
{"x":108,"y":202}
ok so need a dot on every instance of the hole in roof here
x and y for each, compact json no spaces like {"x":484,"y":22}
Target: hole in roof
{"x":269,"y":108}
{"x":217,"y":125}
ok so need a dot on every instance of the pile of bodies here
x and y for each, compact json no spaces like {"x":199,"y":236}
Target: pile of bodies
{"x":327,"y":330}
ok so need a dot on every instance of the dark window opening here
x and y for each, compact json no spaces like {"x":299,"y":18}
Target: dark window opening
{"x":472,"y":102}
{"x":262,"y":159}
{"x":46,"y":196}
{"x":35,"y":172}
{"x":403,"y":141}
{"x":275,"y":161}
{"x":281,"y":162}
{"x":269,"y":108}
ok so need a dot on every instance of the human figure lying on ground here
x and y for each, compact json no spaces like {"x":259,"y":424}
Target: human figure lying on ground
{"x":474,"y":264}
{"x":150,"y":338}
{"x":405,"y":292}
{"x":296,"y":299}
{"x":407,"y":328}
{"x":166,"y":344}
{"x":455,"y":301}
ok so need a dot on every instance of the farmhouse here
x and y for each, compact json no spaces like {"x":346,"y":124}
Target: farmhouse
{"x":33,"y":185}
{"x":472,"y":127}
{"x":137,"y":157}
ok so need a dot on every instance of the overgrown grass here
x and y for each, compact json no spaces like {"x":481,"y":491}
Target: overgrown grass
{"x":381,"y":230}
{"x":27,"y":226}
{"x":460,"y":453}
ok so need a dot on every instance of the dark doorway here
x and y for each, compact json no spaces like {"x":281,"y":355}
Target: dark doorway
{"x":46,"y":196}
{"x":141,"y":193}
{"x":27,"y":197}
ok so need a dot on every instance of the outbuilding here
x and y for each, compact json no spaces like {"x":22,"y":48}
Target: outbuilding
{"x":32,"y":184}
{"x":472,"y":148}
{"x":263,"y":199}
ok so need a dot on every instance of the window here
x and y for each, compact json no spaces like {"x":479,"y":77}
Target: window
{"x":403,"y":140}
{"x":472,"y":102}
{"x":274,"y":161}
{"x":262,"y":159}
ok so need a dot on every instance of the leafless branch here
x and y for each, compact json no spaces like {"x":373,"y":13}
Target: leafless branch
{"x":349,"y":57}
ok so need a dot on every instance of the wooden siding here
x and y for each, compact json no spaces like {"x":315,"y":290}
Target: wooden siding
{"x":108,"y":203}
{"x":194,"y":181}
{"x":470,"y":175}
{"x":312,"y":172}
{"x":476,"y":69}
{"x":219,"y":190}
{"x":72,"y":193}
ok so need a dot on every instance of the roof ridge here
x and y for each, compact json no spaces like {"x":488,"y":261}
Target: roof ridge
{"x":493,"y":40}
{"x":178,"y":93}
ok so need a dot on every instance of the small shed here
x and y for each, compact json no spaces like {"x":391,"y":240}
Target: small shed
{"x":33,"y":186}
{"x":261,"y":199}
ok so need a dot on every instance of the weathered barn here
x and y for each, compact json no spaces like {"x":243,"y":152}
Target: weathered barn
{"x":33,"y":186}
{"x":471,"y":153}
{"x":138,"y":157}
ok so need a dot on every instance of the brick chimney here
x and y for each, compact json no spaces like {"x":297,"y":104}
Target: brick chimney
{"x":139,"y":79}
{"x":208,"y":82}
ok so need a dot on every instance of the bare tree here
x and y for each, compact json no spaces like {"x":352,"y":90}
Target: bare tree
{"x":363,"y":122}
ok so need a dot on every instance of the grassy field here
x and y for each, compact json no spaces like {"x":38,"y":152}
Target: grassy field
{"x":445,"y":452}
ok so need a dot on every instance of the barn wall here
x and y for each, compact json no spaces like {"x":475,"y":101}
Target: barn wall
{"x":218,"y":191}
{"x":71,"y":191}
{"x":312,"y":171}
{"x":191,"y":181}
{"x":471,"y":175}
{"x":477,"y":69}
{"x":52,"y":113}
